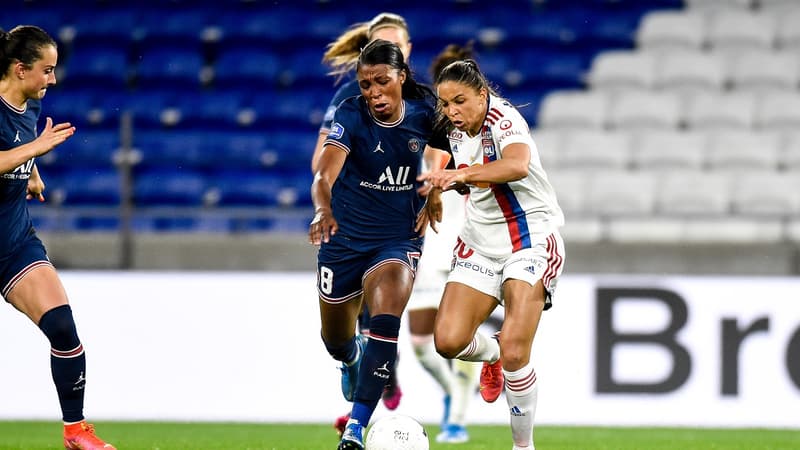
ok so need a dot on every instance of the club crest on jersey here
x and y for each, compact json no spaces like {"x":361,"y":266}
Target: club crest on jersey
{"x":488,"y":147}
{"x":337,"y":130}
{"x":414,"y":145}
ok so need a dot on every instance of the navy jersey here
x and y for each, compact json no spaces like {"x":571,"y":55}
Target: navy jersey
{"x":17,"y":127}
{"x":347,"y":90}
{"x":375,"y":195}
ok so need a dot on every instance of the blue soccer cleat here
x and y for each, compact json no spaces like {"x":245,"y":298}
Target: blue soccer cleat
{"x":352,"y":439}
{"x":350,"y":373}
{"x":453,"y":434}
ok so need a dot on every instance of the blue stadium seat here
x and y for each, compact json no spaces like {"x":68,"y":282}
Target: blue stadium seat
{"x":153,"y":223}
{"x":291,"y":108}
{"x":254,"y":66}
{"x":293,"y":149}
{"x":169,"y":187}
{"x":305,"y":68}
{"x":146,"y":106}
{"x":218,"y":110}
{"x":65,"y":104}
{"x":170,"y":67}
{"x":108,"y":25}
{"x":98,"y":66}
{"x":86,"y":149}
{"x":175,"y":150}
{"x":246,"y":188}
{"x":547,"y":69}
{"x":237,"y":28}
{"x":90,"y":187}
{"x":178,"y":26}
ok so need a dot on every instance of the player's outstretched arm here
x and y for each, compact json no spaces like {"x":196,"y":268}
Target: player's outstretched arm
{"x":51,"y":136}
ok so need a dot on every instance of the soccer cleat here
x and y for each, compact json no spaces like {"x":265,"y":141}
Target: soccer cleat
{"x":340,"y":423}
{"x":391,"y":396}
{"x":352,"y":438}
{"x":453,"y":434}
{"x":350,"y":373}
{"x":80,"y":436}
{"x":492,"y":381}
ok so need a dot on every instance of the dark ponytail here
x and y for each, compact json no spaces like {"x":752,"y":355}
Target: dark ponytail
{"x":23,"y":43}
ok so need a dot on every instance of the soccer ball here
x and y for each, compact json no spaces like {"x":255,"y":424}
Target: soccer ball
{"x":397,"y":432}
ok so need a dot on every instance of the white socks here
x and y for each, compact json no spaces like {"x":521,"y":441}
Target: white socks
{"x":482,"y":349}
{"x":433,"y":361}
{"x":465,"y":381}
{"x":521,"y":396}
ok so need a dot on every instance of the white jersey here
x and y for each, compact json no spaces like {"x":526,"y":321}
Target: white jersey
{"x":504,"y":218}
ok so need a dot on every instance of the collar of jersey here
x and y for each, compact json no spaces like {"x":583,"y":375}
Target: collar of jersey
{"x":14,"y":108}
{"x":390,"y":124}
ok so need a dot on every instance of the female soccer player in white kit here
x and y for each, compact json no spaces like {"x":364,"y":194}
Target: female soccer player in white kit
{"x":509,"y":252}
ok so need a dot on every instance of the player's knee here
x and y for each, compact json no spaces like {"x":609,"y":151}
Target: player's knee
{"x":59,"y":327}
{"x":514,"y":354}
{"x":449,"y":346}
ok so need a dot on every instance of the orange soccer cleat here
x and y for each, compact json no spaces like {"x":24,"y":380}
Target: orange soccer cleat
{"x":491,"y":381}
{"x":80,"y":436}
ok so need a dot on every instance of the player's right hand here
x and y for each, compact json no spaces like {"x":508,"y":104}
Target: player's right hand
{"x":53,"y":135}
{"x":322,"y":227}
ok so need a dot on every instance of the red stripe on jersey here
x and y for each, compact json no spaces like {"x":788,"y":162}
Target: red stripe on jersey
{"x":508,"y":213}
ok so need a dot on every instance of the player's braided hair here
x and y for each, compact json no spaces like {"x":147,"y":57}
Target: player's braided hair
{"x":342,"y":54}
{"x":380,"y":51}
{"x":23,"y":43}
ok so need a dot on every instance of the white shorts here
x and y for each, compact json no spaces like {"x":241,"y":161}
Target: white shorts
{"x":544,"y":261}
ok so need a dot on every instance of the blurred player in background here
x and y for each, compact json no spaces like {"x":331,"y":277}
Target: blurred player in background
{"x":509,"y":252}
{"x":458,"y":378}
{"x":370,"y":220}
{"x":342,"y":56}
{"x":28,"y":57}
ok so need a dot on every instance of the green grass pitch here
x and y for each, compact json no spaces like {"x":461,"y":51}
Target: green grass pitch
{"x":238,"y":436}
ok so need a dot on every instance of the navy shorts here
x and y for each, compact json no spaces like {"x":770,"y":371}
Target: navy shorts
{"x":13,"y":267}
{"x":343,"y":263}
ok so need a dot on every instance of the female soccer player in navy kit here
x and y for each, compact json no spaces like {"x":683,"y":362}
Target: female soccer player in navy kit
{"x":28,"y":281}
{"x":509,"y":253}
{"x":369,"y":220}
{"x":342,"y":56}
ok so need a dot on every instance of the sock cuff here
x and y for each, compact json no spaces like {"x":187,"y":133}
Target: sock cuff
{"x":522,"y":380}
{"x":384,"y":327}
{"x":421,"y":340}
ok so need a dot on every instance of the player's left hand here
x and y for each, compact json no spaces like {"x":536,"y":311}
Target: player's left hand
{"x":431,"y":213}
{"x":444,"y":179}
{"x":35,"y":188}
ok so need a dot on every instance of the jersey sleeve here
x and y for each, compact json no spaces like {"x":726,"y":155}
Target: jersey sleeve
{"x":511,"y":128}
{"x":343,"y":125}
{"x":439,"y":140}
{"x":347,"y":90}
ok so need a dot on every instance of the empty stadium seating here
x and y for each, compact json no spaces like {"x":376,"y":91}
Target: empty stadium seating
{"x":643,"y":111}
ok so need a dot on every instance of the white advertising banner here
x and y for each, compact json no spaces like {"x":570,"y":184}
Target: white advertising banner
{"x":694,"y":351}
